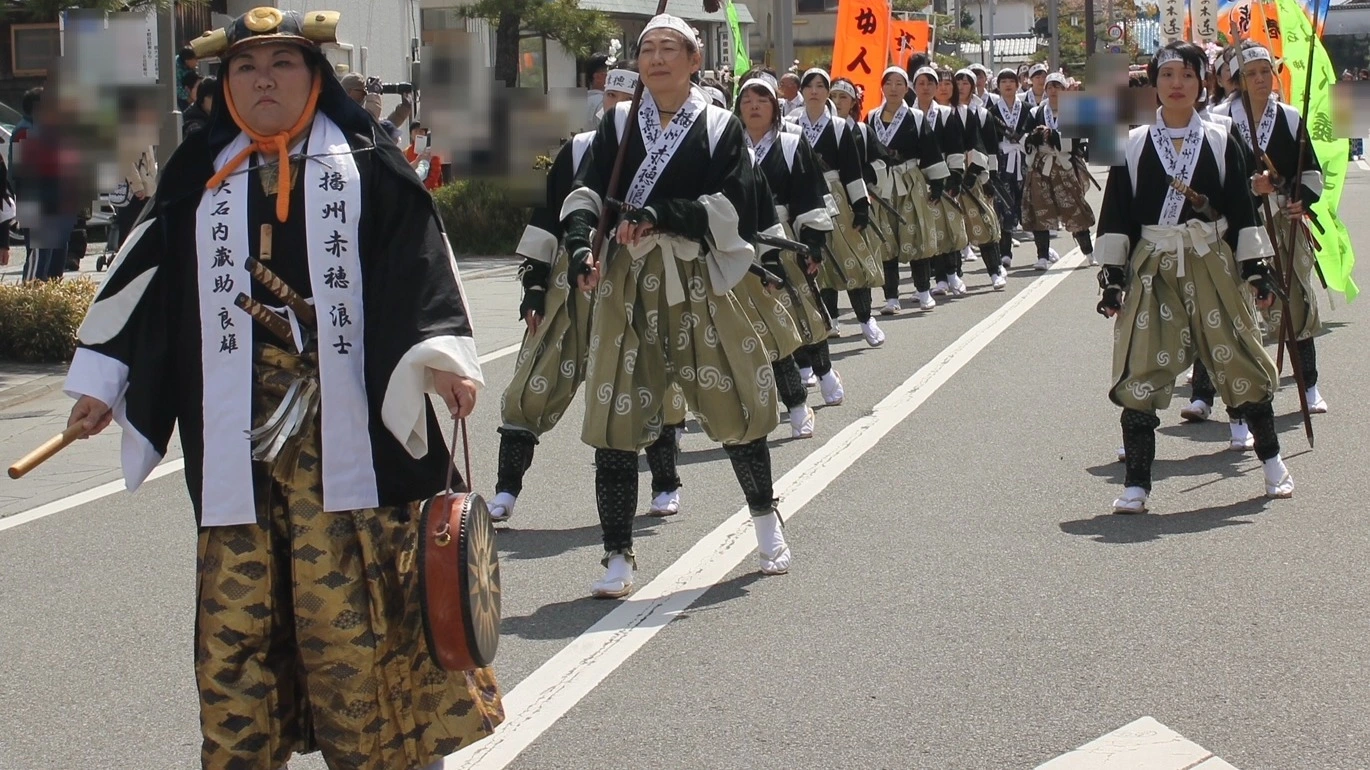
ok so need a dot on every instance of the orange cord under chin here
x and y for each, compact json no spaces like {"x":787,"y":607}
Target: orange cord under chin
{"x":277,"y":143}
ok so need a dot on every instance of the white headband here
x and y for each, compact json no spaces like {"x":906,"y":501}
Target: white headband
{"x":761,"y":83}
{"x":929,"y":71}
{"x":978,"y":67}
{"x":843,"y":87}
{"x":622,"y":81}
{"x":715,"y":96}
{"x":967,"y":71}
{"x":1256,"y":53}
{"x":827,"y":81}
{"x":1166,"y":56}
{"x":1009,"y":72}
{"x":1057,"y":78}
{"x":667,"y":21}
{"x":1037,"y":69}
{"x":897,"y":70}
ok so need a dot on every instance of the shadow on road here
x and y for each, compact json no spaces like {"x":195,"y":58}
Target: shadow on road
{"x":1121,"y":529}
{"x":1225,"y":462}
{"x":523,"y":544}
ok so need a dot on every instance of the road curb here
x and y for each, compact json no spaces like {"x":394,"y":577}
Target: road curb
{"x":10,"y":397}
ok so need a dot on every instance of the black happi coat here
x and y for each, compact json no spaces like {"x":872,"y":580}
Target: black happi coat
{"x":544,"y":231}
{"x":1136,"y":191}
{"x":1000,"y":112}
{"x":836,"y":149}
{"x":1077,"y":148}
{"x":792,"y":174}
{"x":965,"y":120}
{"x":151,"y":313}
{"x":700,"y":166}
{"x":1282,"y":147}
{"x":916,"y":139}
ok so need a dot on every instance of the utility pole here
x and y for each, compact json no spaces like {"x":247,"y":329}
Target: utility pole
{"x":1089,"y":28}
{"x":1054,"y":24}
{"x":784,"y":39}
{"x":166,"y":70}
{"x":992,"y":76}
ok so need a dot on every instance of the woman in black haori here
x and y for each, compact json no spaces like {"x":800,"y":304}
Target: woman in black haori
{"x":665,"y":312}
{"x":1013,"y":117}
{"x":1180,"y":269}
{"x":917,"y":172}
{"x":786,"y":161}
{"x":949,"y":224}
{"x":850,"y":266}
{"x":982,"y":223}
{"x":1054,"y":191}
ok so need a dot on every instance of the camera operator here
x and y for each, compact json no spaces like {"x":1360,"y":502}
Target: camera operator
{"x":367,"y":92}
{"x":420,"y":155}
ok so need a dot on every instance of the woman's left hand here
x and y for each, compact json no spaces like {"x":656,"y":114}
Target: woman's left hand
{"x":458,"y":392}
{"x":1263,"y":304}
{"x":1294,"y":208}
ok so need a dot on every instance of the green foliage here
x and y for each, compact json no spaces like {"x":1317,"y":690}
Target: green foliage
{"x":40,"y":319}
{"x":479,"y":217}
{"x":580,"y":31}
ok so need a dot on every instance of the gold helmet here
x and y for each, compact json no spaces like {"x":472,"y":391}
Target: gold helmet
{"x":264,"y":25}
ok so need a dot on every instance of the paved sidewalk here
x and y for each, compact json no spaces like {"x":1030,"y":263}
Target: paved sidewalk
{"x":33,"y":407}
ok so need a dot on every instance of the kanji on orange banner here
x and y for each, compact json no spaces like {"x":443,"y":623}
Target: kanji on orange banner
{"x":910,"y":37}
{"x":861,"y":45}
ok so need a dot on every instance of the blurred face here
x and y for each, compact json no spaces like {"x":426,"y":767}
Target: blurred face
{"x":1260,"y":78}
{"x":1038,"y":82}
{"x":966,"y":88}
{"x":270,"y":85}
{"x":757,"y":110}
{"x":844,"y":103}
{"x":597,"y":80}
{"x":944,"y":88}
{"x":666,"y":61}
{"x":1008,"y":88}
{"x":894,"y":88}
{"x":1054,"y":91}
{"x":1177,"y":85}
{"x":981,"y":81}
{"x":924,"y":88}
{"x":789,"y":87}
{"x":612,"y":98}
{"x":816,"y":92}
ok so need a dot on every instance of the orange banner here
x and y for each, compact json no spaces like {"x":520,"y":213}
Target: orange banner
{"x":909,"y":37}
{"x":861,"y":45}
{"x":1259,"y":23}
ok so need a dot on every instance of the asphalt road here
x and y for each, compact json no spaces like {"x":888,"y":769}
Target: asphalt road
{"x":960,"y":595}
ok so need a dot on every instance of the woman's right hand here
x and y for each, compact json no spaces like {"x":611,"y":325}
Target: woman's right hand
{"x":91,"y":412}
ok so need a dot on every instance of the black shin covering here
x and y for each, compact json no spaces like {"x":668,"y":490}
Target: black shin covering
{"x":1086,"y":245}
{"x":820,"y":358}
{"x":752,"y":465}
{"x":922,"y":274}
{"x":661,"y":461}
{"x":616,"y":497}
{"x":1260,"y":418}
{"x":791,"y":386}
{"x":860,"y":304}
{"x":892,"y":279}
{"x":515,"y":458}
{"x":1139,"y":442}
{"x":1202,"y":389}
{"x":1308,"y":360}
{"x":829,"y":297}
{"x":1006,"y":243}
{"x":989,"y":254}
{"x":1042,"y":239}
{"x":802,"y":359}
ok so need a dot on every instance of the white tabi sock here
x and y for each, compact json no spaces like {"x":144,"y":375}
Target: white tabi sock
{"x":770,"y":543}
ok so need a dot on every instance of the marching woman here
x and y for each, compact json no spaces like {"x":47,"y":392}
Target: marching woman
{"x":1181,"y":248}
{"x":300,"y":396}
{"x":1276,"y":134}
{"x":851,"y":266}
{"x":982,"y":224}
{"x":1014,"y":121}
{"x":1054,"y":192}
{"x":881,"y":236}
{"x":551,"y":361}
{"x":949,"y":223}
{"x":915,"y":168}
{"x":664,"y":308}
{"x":787,"y":163}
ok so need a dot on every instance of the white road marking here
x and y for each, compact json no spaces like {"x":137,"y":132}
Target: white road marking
{"x":171,"y":466}
{"x":1363,"y":163}
{"x":1142,"y":745}
{"x":537,"y":702}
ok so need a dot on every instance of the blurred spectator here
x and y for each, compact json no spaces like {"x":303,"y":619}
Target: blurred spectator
{"x":21,"y":129}
{"x":368,"y":95}
{"x":48,"y":174}
{"x":196,"y":116}
{"x":185,"y":67}
{"x":7,"y":212}
{"x":420,"y":155}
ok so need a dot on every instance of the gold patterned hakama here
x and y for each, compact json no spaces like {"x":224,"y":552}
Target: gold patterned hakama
{"x":859,"y":267}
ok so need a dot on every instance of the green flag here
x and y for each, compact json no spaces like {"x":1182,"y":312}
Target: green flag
{"x":740,"y":61}
{"x":1333,"y":242}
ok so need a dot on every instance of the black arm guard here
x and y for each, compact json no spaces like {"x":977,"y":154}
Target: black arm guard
{"x":814,"y":239}
{"x":1111,"y":280}
{"x":533,"y":274}
{"x":678,"y":216}
{"x":935,"y":188}
{"x":1257,"y":273}
{"x":972,"y":175}
{"x":580,"y":229}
